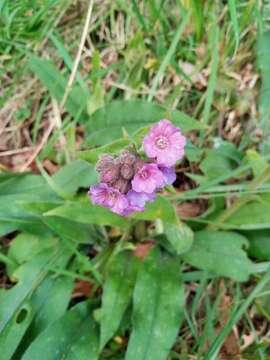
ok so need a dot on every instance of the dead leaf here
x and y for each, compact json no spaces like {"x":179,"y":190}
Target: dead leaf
{"x":82,"y":288}
{"x":248,"y":339}
{"x":143,"y":249}
{"x":189,"y":209}
{"x":231,"y":347}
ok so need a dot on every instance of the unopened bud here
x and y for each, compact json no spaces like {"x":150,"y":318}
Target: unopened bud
{"x":109,"y":175}
{"x":138,"y":164}
{"x":127,"y":157}
{"x":127,"y":171}
{"x":122,"y":185}
{"x":106,"y":161}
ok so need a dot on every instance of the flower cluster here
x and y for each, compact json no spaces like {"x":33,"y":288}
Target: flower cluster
{"x":127,"y":182}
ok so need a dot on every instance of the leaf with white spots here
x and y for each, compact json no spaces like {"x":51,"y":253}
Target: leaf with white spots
{"x":87,"y":213}
{"x":107,"y":123}
{"x":222,"y":253}
{"x":157,"y":307}
{"x":117,"y":293}
{"x":73,"y":336}
{"x":16,"y":309}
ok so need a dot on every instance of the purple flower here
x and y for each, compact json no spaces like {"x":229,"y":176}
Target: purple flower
{"x":147,"y":179}
{"x":168,"y":174}
{"x":137,"y":201}
{"x":109,"y":197}
{"x":165,"y":143}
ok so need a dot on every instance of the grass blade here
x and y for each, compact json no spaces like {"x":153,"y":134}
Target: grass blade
{"x":263,"y":55}
{"x":213,"y":77}
{"x":168,"y":56}
{"x":235,"y":26}
{"x":214,"y":348}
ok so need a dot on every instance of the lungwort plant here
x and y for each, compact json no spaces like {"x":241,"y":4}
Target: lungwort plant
{"x":104,"y":279}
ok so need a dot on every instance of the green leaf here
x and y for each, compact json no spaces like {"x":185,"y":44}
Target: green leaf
{"x":56,"y":83}
{"x":112,"y":148}
{"x":16,"y":310}
{"x":220,"y":253}
{"x":13,"y":333}
{"x":158,"y":302}
{"x":193,"y":153}
{"x":74,"y":231}
{"x":161,"y":208}
{"x":73,"y":336}
{"x":259,"y":244}
{"x":22,"y":184}
{"x":87,"y":213}
{"x":39,"y":207}
{"x":107,"y":124}
{"x":257,"y":162}
{"x":49,"y":302}
{"x":254,"y":215}
{"x":18,"y":189}
{"x":227,"y":150}
{"x":24,"y":247}
{"x":70,"y":178}
{"x":179,"y":235}
{"x":77,"y":174}
{"x":117,"y":293}
{"x":7,"y":228}
{"x":215,"y":164}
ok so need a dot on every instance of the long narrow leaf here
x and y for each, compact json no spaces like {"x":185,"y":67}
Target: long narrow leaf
{"x":157,"y":307}
{"x":117,"y":294}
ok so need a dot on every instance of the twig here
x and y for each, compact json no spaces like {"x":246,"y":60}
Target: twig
{"x":39,"y":147}
{"x":4,"y":124}
{"x":16,"y":151}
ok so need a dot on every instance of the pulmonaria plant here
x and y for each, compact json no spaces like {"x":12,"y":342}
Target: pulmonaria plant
{"x":128,"y":182}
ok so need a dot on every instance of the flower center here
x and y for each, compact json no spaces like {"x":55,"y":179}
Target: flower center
{"x":144,"y":174}
{"x":161,"y":142}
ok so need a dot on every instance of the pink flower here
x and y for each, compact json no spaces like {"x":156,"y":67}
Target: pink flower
{"x":147,"y":179}
{"x":165,"y":143}
{"x":169,"y":174}
{"x":109,"y":197}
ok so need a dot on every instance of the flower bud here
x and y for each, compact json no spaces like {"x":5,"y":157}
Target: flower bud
{"x":127,"y":157}
{"x":106,"y":161}
{"x":127,"y":171}
{"x":122,"y":185}
{"x":138,"y":164}
{"x":110,"y":174}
